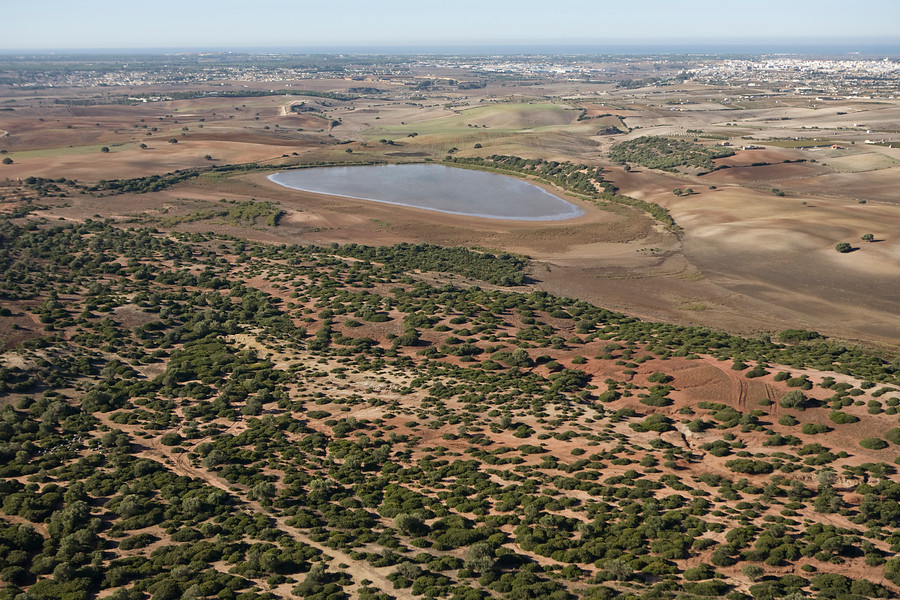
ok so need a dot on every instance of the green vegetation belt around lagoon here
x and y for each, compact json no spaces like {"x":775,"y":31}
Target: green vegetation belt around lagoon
{"x":580,"y":180}
{"x":200,"y":416}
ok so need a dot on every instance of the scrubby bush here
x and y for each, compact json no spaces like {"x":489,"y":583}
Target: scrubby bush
{"x":842,"y":418}
{"x":873,"y":443}
{"x":794,"y":399}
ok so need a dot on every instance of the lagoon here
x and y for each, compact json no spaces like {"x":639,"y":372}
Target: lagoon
{"x":434,"y":187}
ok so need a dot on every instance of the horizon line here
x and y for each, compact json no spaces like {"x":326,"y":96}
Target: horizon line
{"x":773,"y":46}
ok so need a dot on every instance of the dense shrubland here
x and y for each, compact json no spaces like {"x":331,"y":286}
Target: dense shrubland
{"x":668,"y":154}
{"x":170,"y":430}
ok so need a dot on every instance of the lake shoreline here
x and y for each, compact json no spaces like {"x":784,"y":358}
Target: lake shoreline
{"x":459,"y":192}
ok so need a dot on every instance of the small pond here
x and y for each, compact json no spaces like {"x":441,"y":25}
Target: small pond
{"x":435,"y":187}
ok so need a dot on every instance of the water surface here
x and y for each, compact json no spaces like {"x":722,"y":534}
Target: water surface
{"x":435,"y":187}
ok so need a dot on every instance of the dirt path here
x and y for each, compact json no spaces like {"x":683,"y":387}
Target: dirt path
{"x":742,"y":388}
{"x":286,"y":108}
{"x":358,"y":569}
{"x":772,"y":395}
{"x":39,"y":527}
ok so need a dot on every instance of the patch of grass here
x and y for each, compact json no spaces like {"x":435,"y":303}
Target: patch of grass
{"x":235,"y":213}
{"x":693,"y":306}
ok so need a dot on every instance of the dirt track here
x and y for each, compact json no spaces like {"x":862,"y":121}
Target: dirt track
{"x":358,"y":569}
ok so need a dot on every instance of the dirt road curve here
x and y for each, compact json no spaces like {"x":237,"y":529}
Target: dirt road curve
{"x":358,"y":569}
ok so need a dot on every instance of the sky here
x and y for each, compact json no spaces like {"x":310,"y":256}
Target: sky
{"x":337,"y":24}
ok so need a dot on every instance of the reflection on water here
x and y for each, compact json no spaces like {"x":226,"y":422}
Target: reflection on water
{"x":435,"y":187}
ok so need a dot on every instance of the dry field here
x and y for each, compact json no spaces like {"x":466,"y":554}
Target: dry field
{"x":748,"y":261}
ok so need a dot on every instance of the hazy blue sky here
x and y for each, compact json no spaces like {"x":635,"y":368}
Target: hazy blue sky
{"x":343,"y":23}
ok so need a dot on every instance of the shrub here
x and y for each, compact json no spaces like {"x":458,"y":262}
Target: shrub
{"x":658,"y":423}
{"x":753,"y":571}
{"x":893,"y":435}
{"x":798,"y":335}
{"x":660,"y":377}
{"x":170,"y":439}
{"x":798,"y":382}
{"x":757,"y":371}
{"x":794,"y":399}
{"x":873,"y":443}
{"x":749,"y":466}
{"x":654,"y":400}
{"x":814,"y":428}
{"x":842,"y":418}
{"x":139,"y":540}
{"x":714,"y":587}
{"x":700,"y":572}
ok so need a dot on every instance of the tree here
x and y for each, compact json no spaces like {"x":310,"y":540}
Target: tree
{"x":170,"y":439}
{"x":409,"y":524}
{"x":844,"y":247}
{"x":104,"y":149}
{"x":480,"y":557}
{"x":868,"y":237}
{"x":7,"y":160}
{"x":143,"y":146}
{"x":173,"y":141}
{"x":254,"y":406}
{"x":793,"y":399}
{"x":677,"y":191}
{"x":826,"y":478}
{"x":264,"y":490}
{"x":753,"y":572}
{"x":619,"y":569}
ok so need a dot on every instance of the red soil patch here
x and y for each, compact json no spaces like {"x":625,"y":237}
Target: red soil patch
{"x":769,"y":155}
{"x":595,"y":110}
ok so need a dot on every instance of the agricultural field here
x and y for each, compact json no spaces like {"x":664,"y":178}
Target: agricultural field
{"x":212,"y":386}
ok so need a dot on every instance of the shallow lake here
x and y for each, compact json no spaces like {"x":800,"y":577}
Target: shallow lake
{"x":435,"y":187}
